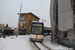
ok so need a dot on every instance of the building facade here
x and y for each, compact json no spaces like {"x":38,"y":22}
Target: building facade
{"x":2,"y":28}
{"x":25,"y":20}
{"x":63,"y":21}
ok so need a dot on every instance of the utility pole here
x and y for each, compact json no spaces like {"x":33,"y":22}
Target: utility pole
{"x":18,"y":20}
{"x":20,"y":8}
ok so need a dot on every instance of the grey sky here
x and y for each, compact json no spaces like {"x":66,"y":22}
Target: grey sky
{"x":10,"y":8}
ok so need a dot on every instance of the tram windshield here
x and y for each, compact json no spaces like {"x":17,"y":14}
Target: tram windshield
{"x":36,"y":29}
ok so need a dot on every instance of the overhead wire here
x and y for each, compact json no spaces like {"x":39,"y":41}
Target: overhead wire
{"x":40,"y":4}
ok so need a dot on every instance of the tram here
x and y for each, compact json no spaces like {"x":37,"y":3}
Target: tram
{"x":37,"y":31}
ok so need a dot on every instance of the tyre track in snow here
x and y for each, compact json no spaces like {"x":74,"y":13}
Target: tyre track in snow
{"x":41,"y":46}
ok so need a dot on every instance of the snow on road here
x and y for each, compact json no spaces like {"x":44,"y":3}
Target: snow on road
{"x":13,"y":43}
{"x":41,"y":46}
{"x":22,"y":43}
{"x":33,"y":46}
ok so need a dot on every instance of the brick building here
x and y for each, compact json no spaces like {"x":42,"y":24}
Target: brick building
{"x":26,"y":19}
{"x":2,"y":27}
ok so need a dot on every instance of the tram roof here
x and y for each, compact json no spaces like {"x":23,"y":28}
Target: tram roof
{"x":36,"y":22}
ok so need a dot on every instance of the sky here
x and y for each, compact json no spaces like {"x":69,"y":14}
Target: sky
{"x":9,"y":10}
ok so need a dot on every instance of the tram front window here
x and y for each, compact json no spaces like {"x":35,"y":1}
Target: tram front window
{"x":36,"y":30}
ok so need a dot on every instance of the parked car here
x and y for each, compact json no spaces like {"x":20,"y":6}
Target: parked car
{"x":23,"y":31}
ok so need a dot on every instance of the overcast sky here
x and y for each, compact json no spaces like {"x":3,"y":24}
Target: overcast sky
{"x":10,"y":8}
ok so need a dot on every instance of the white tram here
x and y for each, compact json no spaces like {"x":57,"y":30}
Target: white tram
{"x":37,"y":31}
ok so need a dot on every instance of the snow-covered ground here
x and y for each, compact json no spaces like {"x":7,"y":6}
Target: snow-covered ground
{"x":13,"y":43}
{"x":41,"y":46}
{"x":22,"y":43}
{"x":48,"y":43}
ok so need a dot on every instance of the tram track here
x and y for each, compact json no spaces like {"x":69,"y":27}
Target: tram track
{"x":36,"y":46}
{"x":45,"y":45}
{"x":41,"y":46}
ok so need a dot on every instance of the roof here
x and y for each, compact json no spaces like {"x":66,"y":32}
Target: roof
{"x":47,"y":28}
{"x":37,"y":22}
{"x":28,"y":13}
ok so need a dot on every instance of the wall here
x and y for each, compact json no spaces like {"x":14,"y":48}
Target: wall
{"x":65,"y":18}
{"x":67,"y":42}
{"x":26,"y":18}
{"x":2,"y":27}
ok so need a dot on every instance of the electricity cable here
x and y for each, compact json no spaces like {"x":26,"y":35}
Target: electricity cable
{"x":40,"y":4}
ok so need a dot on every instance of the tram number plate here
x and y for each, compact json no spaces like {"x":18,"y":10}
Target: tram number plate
{"x":36,"y":36}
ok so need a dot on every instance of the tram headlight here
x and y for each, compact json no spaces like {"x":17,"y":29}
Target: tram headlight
{"x":31,"y":36}
{"x":40,"y":36}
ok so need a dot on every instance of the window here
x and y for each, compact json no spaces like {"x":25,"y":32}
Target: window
{"x":20,"y":24}
{"x":65,"y":34}
{"x":21,"y":17}
{"x":36,"y":29}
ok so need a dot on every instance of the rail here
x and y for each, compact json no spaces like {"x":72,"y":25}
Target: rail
{"x":39,"y":48}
